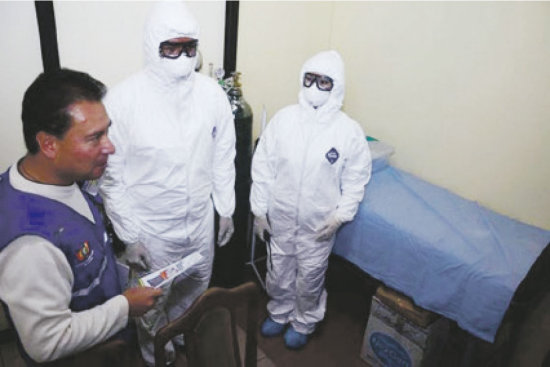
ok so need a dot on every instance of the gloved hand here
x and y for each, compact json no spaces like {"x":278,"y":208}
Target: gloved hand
{"x":329,"y":228}
{"x":261,"y":226}
{"x":137,"y":257}
{"x":225,"y":231}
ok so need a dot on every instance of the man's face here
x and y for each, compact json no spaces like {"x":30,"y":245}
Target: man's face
{"x":82,"y":153}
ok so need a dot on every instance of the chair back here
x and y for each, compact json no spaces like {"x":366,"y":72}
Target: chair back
{"x":210,"y":328}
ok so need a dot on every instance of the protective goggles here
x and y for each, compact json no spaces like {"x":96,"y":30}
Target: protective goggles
{"x":323,"y":82}
{"x":173,"y":50}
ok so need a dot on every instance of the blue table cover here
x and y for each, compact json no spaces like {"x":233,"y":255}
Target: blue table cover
{"x":452,"y":256}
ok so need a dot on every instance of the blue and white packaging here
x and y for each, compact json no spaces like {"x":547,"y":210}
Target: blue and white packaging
{"x":162,"y":276}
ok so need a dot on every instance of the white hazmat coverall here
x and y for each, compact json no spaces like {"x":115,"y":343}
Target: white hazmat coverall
{"x":174,"y":135}
{"x":310,"y":167}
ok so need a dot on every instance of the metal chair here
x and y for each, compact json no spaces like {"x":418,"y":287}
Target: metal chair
{"x":210,"y":329}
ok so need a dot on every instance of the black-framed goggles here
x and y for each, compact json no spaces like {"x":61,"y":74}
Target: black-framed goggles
{"x":323,"y":82}
{"x":173,"y":50}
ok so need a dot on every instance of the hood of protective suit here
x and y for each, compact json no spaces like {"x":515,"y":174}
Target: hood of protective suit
{"x":167,"y":20}
{"x":327,"y":63}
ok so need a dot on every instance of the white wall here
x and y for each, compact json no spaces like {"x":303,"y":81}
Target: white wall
{"x":460,"y":89}
{"x":275,"y":38}
{"x":103,"y":38}
{"x":20,"y":63}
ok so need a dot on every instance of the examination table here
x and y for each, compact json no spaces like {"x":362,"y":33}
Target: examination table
{"x":452,"y":256}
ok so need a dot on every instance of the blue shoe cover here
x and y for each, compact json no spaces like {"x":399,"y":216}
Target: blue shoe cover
{"x":272,"y":328}
{"x":294,"y":339}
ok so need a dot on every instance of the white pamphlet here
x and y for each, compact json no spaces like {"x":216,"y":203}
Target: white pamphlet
{"x":168,"y":273}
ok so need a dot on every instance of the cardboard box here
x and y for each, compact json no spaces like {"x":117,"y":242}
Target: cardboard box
{"x":405,"y":306}
{"x":392,"y":340}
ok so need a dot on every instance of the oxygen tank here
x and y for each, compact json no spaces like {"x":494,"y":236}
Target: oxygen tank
{"x":243,"y":130}
{"x":230,"y":259}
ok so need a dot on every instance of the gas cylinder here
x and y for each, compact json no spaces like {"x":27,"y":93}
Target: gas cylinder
{"x":229,"y":265}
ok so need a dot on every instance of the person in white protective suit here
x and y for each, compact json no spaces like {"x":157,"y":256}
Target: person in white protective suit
{"x":174,"y":135}
{"x":309,"y":173}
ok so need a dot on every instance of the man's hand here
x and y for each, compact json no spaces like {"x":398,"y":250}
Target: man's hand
{"x":141,"y":299}
{"x":226,"y":230}
{"x":137,"y":257}
{"x":329,"y":228}
{"x":262,"y":227}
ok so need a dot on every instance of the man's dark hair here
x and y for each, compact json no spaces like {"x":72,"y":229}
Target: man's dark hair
{"x":46,"y":102}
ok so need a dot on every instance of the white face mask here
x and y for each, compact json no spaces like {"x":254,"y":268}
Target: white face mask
{"x":315,"y":97}
{"x":179,"y":68}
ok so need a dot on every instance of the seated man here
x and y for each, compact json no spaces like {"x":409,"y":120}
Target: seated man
{"x":58,"y":277}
